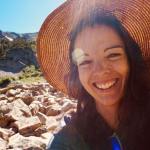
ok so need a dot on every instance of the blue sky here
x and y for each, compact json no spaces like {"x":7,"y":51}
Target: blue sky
{"x":25,"y":16}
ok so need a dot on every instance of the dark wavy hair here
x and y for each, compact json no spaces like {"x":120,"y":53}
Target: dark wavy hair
{"x":134,"y":110}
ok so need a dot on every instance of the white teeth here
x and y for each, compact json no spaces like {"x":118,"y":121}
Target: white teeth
{"x":106,"y":85}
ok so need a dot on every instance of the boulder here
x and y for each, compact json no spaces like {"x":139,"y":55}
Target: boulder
{"x":14,"y":114}
{"x":40,"y":130}
{"x":18,"y":141}
{"x":27,"y":97}
{"x":12,"y":92}
{"x":22,"y":107}
{"x":51,"y":123}
{"x":10,"y":99}
{"x":53,"y":110}
{"x":3,"y":97}
{"x":18,"y":109}
{"x":3,"y":144}
{"x":6,"y":133}
{"x":42,"y":117}
{"x":47,"y":136}
{"x":27,"y":125}
{"x":67,"y":105}
{"x":5,"y":107}
{"x":4,"y":121}
{"x":36,"y":106}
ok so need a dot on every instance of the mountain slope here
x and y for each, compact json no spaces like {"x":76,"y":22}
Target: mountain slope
{"x":12,"y":35}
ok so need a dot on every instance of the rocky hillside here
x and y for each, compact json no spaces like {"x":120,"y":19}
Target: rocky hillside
{"x":17,"y":51}
{"x":17,"y":59}
{"x":30,"y":114}
{"x":12,"y":36}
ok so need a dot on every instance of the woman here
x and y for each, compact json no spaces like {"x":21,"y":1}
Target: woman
{"x":112,"y":73}
{"x":110,"y":79}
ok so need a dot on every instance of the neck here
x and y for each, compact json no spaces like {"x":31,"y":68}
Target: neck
{"x":109,"y":113}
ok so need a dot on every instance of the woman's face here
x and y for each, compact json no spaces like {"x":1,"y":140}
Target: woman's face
{"x":102,"y":64}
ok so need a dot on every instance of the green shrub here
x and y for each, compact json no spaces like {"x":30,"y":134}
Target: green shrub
{"x":30,"y":71}
{"x":19,"y":43}
{"x":4,"y":81}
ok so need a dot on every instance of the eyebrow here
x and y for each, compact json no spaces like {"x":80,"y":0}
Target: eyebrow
{"x":115,"y":46}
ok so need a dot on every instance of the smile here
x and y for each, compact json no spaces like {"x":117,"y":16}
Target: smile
{"x":106,"y":85}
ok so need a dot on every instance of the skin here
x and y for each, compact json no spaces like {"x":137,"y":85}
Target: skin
{"x":102,"y":60}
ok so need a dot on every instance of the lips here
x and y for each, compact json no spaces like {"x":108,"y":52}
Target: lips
{"x":105,"y":85}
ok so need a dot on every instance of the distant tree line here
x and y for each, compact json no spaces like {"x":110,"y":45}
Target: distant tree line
{"x":19,"y":43}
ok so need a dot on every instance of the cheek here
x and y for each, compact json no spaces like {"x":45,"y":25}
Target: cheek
{"x":83,"y":76}
{"x":122,"y":68}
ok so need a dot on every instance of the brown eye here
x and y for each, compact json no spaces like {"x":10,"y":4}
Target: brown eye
{"x":114,"y":56}
{"x":85,"y":62}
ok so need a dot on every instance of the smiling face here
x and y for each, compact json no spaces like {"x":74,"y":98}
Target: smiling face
{"x":102,"y":64}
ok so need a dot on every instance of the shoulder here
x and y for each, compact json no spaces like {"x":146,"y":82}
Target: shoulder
{"x":67,"y":139}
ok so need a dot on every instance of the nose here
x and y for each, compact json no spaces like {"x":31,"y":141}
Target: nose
{"x":101,"y":67}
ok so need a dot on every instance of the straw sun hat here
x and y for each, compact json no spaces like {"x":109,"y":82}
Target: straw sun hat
{"x":53,"y":42}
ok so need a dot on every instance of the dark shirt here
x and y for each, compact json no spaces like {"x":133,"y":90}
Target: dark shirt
{"x":68,"y":139}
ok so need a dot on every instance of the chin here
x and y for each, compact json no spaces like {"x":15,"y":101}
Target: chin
{"x":108,"y":100}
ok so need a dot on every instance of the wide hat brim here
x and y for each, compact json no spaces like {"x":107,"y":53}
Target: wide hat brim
{"x":53,"y":41}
